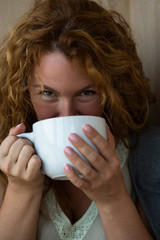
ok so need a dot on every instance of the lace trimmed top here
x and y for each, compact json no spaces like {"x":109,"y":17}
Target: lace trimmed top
{"x":63,"y":225}
{"x":84,"y":226}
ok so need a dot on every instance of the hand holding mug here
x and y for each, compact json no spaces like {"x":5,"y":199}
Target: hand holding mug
{"x":19,"y":161}
{"x":103,"y":182}
{"x":50,"y":137}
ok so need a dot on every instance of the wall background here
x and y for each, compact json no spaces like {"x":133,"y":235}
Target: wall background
{"x":143,"y":17}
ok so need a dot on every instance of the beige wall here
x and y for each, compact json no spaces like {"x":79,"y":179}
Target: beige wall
{"x":10,"y":11}
{"x":143,"y":17}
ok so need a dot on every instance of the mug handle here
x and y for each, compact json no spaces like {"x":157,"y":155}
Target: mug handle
{"x":29,"y":136}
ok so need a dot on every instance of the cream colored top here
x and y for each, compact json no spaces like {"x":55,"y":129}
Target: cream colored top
{"x":89,"y":227}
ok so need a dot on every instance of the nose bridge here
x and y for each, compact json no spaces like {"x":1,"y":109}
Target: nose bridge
{"x":68,"y":107}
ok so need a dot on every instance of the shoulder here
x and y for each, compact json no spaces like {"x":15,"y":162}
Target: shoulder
{"x":144,"y":165}
{"x":150,"y":137}
{"x":144,"y":160}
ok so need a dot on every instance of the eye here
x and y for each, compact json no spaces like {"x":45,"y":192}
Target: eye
{"x":47,"y":93}
{"x":88,"y":93}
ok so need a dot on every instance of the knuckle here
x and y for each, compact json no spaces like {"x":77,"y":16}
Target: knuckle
{"x":36,"y":161}
{"x":87,"y":171}
{"x":80,"y":184}
{"x":94,"y":156}
{"x":28,"y":148}
{"x":83,"y":184}
{"x":6,"y":144}
{"x":24,"y":141}
{"x":7,"y":167}
{"x":116,"y":162}
{"x":110,"y":175}
{"x":29,"y":142}
{"x":3,"y":152}
{"x":28,"y":178}
{"x":103,"y":145}
{"x":113,"y":171}
{"x":17,"y":172}
{"x":12,"y":137}
{"x":75,"y":180}
{"x":34,"y":167}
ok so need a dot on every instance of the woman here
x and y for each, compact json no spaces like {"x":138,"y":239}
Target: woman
{"x":70,"y":57}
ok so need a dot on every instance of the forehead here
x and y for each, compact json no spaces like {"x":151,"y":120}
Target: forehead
{"x":57,"y":68}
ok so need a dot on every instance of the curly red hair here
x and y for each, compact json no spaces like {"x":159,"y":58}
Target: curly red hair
{"x":102,"y":42}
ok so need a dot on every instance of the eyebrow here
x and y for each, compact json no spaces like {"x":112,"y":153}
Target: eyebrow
{"x":45,"y":87}
{"x":53,"y":90}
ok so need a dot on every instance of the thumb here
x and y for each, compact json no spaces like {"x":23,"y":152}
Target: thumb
{"x":20,"y":128}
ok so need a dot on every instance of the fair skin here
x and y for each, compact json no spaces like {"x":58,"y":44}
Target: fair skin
{"x":67,"y":91}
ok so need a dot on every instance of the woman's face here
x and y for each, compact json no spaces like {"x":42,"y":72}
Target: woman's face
{"x":67,"y":90}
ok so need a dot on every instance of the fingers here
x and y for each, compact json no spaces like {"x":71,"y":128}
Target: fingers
{"x":33,"y":164}
{"x":88,"y":152}
{"x":12,"y":144}
{"x":20,"y":128}
{"x":85,"y":169}
{"x":21,"y":149}
{"x":98,"y":160}
{"x":78,"y":181}
{"x":101,"y":162}
{"x":105,"y":147}
{"x":17,"y":156}
{"x":102,"y":178}
{"x":6,"y":145}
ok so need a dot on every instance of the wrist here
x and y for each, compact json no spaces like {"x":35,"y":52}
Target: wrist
{"x":25,"y":189}
{"x":113,"y":204}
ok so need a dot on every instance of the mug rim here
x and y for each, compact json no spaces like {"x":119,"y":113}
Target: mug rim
{"x":74,"y":116}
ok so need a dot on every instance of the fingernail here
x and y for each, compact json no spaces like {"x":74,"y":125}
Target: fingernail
{"x":68,"y":150}
{"x":73,"y":137}
{"x":87,"y":128}
{"x":67,"y":167}
{"x":18,"y":125}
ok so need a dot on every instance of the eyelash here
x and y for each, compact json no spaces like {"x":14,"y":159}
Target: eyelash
{"x":45,"y":93}
{"x":89,"y":92}
{"x":85,"y":92}
{"x":85,"y":95}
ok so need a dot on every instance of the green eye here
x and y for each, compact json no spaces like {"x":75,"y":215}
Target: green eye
{"x":47,"y":93}
{"x":88,"y":93}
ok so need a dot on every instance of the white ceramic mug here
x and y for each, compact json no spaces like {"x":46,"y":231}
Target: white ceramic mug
{"x":50,"y":137}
